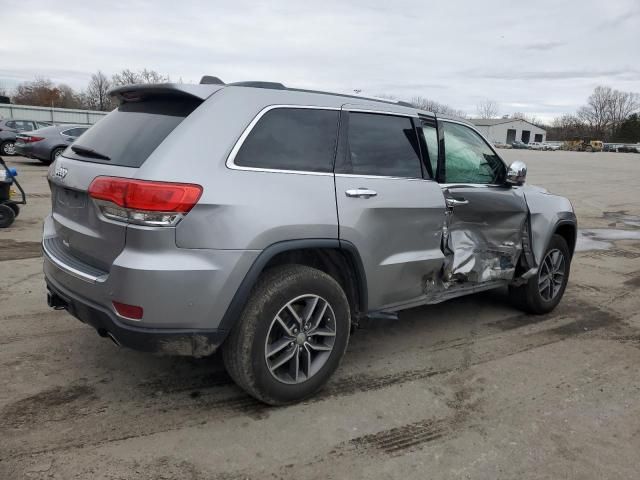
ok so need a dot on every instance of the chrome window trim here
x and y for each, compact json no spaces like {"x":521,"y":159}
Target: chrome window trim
{"x":355,"y":175}
{"x":230,"y":163}
{"x":379,"y":112}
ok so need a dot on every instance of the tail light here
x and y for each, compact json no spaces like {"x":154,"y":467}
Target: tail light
{"x":144,"y":202}
{"x":29,"y":138}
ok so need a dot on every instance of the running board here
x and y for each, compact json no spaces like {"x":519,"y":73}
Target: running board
{"x":444,"y":294}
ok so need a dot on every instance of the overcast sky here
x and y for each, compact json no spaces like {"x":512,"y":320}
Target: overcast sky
{"x":541,"y":57}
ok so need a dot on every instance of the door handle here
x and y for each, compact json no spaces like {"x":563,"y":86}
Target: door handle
{"x":454,"y":202}
{"x":361,"y":193}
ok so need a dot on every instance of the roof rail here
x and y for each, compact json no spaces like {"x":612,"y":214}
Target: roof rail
{"x":210,"y":80}
{"x":258,"y":84}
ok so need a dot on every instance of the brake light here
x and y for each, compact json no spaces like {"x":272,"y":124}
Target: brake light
{"x":129,"y":311}
{"x":142,"y":201}
{"x":30,"y":138}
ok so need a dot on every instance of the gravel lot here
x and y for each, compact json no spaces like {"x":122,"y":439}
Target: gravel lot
{"x":467,"y":389}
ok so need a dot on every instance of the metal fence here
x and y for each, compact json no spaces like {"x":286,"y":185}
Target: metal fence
{"x":54,"y":115}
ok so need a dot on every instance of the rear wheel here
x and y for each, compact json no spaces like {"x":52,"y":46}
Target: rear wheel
{"x":291,"y":336}
{"x":8,"y":148}
{"x":7,"y":216}
{"x":542,"y":293}
{"x":54,"y":155}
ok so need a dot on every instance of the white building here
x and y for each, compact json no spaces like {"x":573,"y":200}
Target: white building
{"x":507,"y":130}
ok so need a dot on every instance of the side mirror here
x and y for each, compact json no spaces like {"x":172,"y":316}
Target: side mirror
{"x":516,"y":173}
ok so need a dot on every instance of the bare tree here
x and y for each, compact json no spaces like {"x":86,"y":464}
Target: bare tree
{"x":488,"y":109}
{"x":129,"y":77}
{"x":96,"y":96}
{"x":436,"y":107}
{"x":596,"y":113}
{"x":125,"y":77}
{"x":622,"y":106}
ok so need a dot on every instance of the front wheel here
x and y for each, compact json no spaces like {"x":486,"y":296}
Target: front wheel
{"x":291,"y":336}
{"x":542,"y":293}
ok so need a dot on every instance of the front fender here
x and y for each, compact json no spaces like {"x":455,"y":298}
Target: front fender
{"x":547,"y":212}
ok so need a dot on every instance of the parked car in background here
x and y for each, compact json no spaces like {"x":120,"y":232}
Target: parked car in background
{"x":9,"y":128}
{"x":501,"y":145}
{"x":519,"y":144}
{"x":535,"y":145}
{"x":46,"y":144}
{"x":551,"y":146}
{"x":298,"y":216}
{"x":628,"y":148}
{"x":611,"y":147}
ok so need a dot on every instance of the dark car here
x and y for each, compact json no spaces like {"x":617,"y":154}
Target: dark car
{"x":519,"y":144}
{"x":46,"y":144}
{"x":10,"y":128}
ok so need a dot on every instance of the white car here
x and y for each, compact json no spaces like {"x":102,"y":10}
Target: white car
{"x":535,"y":145}
{"x":550,"y":146}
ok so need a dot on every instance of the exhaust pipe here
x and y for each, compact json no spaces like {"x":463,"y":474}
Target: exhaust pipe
{"x":56,"y":302}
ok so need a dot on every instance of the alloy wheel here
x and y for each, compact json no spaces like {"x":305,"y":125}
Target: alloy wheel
{"x":9,"y":148}
{"x":551,"y":276}
{"x":300,"y":339}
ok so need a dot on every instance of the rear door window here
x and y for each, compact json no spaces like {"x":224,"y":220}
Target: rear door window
{"x":299,"y":139}
{"x":130,"y":133}
{"x":383,"y":145}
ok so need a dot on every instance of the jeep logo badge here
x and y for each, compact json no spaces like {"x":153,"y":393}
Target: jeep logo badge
{"x":60,"y":172}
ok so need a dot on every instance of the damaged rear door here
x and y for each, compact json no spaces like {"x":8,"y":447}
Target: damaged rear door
{"x":486,"y":219}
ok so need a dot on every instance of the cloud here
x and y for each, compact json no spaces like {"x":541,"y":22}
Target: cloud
{"x":456,"y":53}
{"x":543,"y":45}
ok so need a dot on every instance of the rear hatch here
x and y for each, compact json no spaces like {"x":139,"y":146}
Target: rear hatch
{"x":117,"y":146}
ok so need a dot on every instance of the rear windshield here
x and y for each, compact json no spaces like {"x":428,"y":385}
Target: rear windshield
{"x":130,"y":133}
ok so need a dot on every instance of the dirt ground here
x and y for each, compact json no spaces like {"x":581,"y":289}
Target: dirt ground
{"x":467,"y":389}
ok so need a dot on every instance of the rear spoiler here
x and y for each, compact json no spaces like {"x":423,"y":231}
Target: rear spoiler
{"x":137,"y":92}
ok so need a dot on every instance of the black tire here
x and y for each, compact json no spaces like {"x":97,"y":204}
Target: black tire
{"x":15,"y":207}
{"x":54,"y":154}
{"x":7,"y":148}
{"x":7,"y":216}
{"x":528,"y":296}
{"x":244,"y":350}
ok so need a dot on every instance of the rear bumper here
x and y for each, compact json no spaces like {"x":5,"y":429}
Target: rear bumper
{"x":174,"y":341}
{"x":178,"y":289}
{"x":25,"y":150}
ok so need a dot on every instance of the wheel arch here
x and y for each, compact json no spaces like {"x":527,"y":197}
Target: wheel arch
{"x":569,"y":231}
{"x":338,"y":258}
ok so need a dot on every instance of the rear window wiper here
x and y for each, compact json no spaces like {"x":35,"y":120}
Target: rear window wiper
{"x":88,"y":152}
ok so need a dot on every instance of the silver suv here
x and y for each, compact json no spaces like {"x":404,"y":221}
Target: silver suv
{"x":270,"y":221}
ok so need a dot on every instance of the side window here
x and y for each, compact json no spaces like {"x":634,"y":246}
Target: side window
{"x":292,"y":139}
{"x":431,"y":138}
{"x":468,"y":159}
{"x":23,"y":126}
{"x":383,"y":145}
{"x":11,"y":124}
{"x":74,"y":132}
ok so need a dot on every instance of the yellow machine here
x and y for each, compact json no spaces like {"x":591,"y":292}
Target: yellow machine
{"x":584,"y":145}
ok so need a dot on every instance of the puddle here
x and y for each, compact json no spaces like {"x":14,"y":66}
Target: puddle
{"x":622,"y":218}
{"x":602,"y":238}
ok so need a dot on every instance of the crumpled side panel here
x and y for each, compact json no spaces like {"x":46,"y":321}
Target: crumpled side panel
{"x":483,"y":239}
{"x":473,"y":257}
